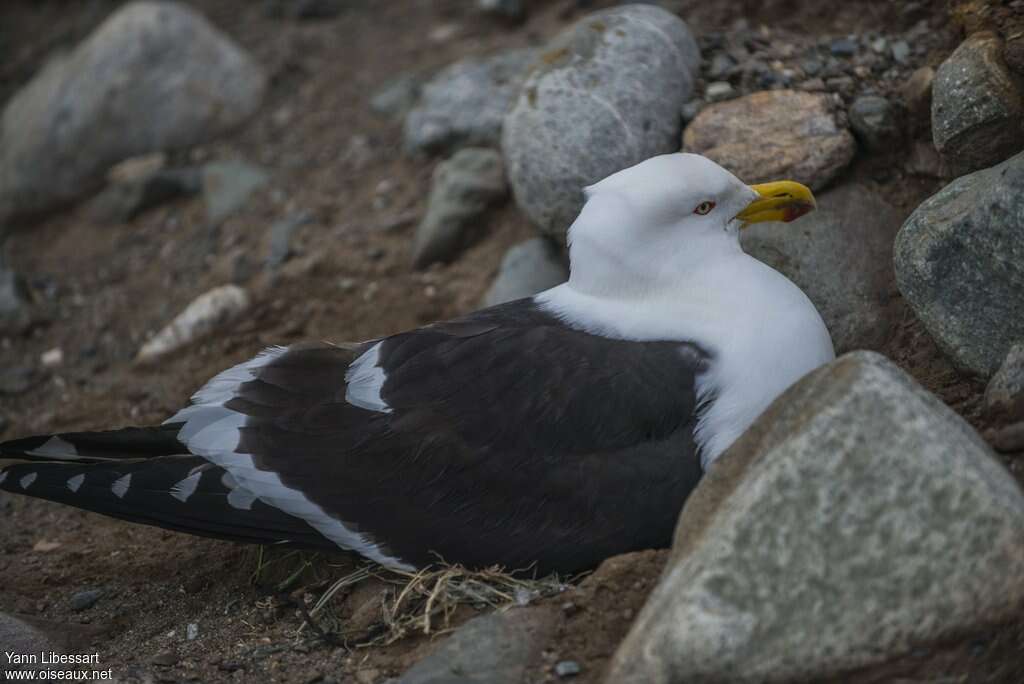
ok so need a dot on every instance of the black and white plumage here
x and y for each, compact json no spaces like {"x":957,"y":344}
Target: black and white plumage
{"x":543,"y":434}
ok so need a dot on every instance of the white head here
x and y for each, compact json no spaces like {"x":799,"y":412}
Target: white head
{"x":643,"y":227}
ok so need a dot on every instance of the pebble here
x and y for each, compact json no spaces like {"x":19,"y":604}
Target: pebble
{"x":691,"y":109}
{"x":720,"y":91}
{"x":567,"y":668}
{"x":52,"y":358}
{"x":873,"y":120}
{"x":1004,"y":396}
{"x":15,"y":380}
{"x":85,"y":599}
{"x":721,"y":66}
{"x":228,"y":185}
{"x":205,"y":314}
{"x":901,"y":51}
{"x":843,"y":47}
{"x":192,"y":631}
{"x":281,"y":234}
{"x":165,"y":659}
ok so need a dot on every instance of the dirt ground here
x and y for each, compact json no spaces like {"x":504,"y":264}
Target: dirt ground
{"x":102,"y":289}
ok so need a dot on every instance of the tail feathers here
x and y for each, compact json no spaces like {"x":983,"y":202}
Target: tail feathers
{"x":87,"y":447}
{"x":180,"y":492}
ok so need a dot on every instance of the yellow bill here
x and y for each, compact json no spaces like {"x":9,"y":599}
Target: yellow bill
{"x":778,"y":201}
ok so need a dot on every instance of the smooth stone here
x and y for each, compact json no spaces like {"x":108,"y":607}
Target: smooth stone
{"x":154,"y":76}
{"x":466,"y":102}
{"x":1004,"y":396}
{"x":85,"y":599}
{"x":498,"y":648}
{"x":463,"y":189}
{"x":397,"y":97}
{"x":720,"y":91}
{"x":1008,"y":438}
{"x":772,"y":135}
{"x":514,"y":10}
{"x":282,"y":234}
{"x":977,"y":106}
{"x":843,"y":47}
{"x":874,"y":121}
{"x":208,"y":312}
{"x":959,"y":263}
{"x":122,"y":202}
{"x":228,"y":185}
{"x":15,"y":312}
{"x":587,"y":109}
{"x":25,"y":636}
{"x":527,"y":269}
{"x":858,"y":520}
{"x":841,"y":257}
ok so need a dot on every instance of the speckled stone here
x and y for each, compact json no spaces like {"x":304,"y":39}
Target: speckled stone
{"x":959,"y":263}
{"x":588,"y":108}
{"x":858,"y":519}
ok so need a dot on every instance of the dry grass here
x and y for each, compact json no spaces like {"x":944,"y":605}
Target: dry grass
{"x":424,"y":602}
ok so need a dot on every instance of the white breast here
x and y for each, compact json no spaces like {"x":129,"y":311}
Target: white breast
{"x":761,"y":330}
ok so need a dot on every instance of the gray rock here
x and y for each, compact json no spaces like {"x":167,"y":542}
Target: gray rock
{"x":514,"y":10}
{"x":154,"y":76}
{"x":281,"y":235}
{"x":465,"y":103}
{"x":206,"y":313}
{"x":464,"y":187}
{"x":85,"y":599}
{"x":121,"y":202}
{"x":23,"y":636}
{"x":774,"y":134}
{"x":857,"y":520}
{"x":720,"y":91}
{"x":567,"y":668}
{"x":16,"y":380}
{"x":721,"y":66}
{"x":976,"y":106}
{"x":492,"y":649}
{"x":15,"y":312}
{"x":588,"y":108}
{"x":1004,"y":396}
{"x":843,"y":47}
{"x":874,"y":120}
{"x":227,"y":186}
{"x":691,"y":109}
{"x":397,"y":97}
{"x":841,"y":257}
{"x":959,"y":262}
{"x":901,"y":51}
{"x":526,"y":269}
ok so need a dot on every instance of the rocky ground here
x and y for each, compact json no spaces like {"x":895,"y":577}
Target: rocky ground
{"x":343,"y":170}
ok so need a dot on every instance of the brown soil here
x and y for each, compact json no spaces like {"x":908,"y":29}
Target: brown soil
{"x":103,"y":288}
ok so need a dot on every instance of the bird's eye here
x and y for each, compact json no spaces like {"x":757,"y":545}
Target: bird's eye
{"x":704,"y":208}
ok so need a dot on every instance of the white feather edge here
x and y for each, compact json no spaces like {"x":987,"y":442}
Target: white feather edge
{"x":211,"y":430}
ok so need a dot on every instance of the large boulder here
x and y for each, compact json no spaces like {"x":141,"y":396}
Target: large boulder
{"x":465,"y":103}
{"x":977,"y":107}
{"x":154,"y":76}
{"x":858,"y":519}
{"x":604,"y":95}
{"x":959,"y":262}
{"x":841,"y":257}
{"x":774,"y":134}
